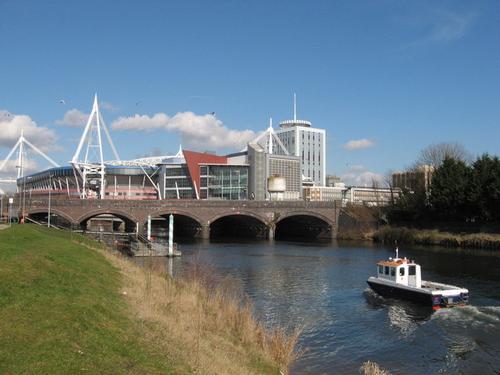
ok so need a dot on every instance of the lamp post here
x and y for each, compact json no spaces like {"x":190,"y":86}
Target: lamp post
{"x":11,"y":200}
{"x":24,"y":198}
{"x":19,"y":173}
{"x":50,"y":189}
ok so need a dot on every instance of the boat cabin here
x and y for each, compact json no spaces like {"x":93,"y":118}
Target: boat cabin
{"x":401,"y":271}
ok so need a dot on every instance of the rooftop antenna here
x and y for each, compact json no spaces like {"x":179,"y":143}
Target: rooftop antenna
{"x":294,"y":107}
{"x":92,"y":165}
{"x":270,"y":135}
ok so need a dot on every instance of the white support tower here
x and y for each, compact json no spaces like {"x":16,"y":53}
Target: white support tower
{"x":91,"y":167}
{"x":21,"y":148}
{"x":269,"y":139}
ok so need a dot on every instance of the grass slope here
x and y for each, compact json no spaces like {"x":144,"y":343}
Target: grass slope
{"x":61,"y":311}
{"x":67,"y":307}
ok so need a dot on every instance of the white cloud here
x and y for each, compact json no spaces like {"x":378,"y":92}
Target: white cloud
{"x":10,"y":130}
{"x":450,"y":26}
{"x":73,"y":118}
{"x":10,"y":168}
{"x":197,"y":131}
{"x":358,"y":144}
{"x":438,"y":26}
{"x":359,"y":176}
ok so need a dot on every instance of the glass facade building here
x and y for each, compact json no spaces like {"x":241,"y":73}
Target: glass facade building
{"x":177,"y":182}
{"x":224,"y":182}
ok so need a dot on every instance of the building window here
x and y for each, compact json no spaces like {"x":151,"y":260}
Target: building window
{"x":393,"y":271}
{"x":401,"y":271}
{"x":386,"y":270}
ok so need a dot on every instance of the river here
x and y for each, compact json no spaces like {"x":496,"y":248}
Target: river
{"x":322,"y":288}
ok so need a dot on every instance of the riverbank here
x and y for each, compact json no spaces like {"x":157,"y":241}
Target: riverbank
{"x":68,"y":306}
{"x":403,"y":235}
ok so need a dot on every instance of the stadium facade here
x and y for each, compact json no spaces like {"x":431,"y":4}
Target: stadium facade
{"x":185,"y":175}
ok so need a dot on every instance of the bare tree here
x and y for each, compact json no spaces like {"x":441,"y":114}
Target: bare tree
{"x":435,"y":154}
{"x":390,"y":184}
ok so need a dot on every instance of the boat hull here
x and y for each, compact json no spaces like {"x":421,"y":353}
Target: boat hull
{"x":420,"y":296}
{"x":398,"y":293}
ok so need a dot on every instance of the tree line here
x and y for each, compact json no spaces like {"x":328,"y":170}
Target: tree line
{"x":461,"y":189}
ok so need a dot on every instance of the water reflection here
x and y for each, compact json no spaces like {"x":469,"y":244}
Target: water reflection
{"x":404,"y":316}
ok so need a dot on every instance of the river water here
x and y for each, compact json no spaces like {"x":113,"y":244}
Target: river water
{"x":322,"y":288}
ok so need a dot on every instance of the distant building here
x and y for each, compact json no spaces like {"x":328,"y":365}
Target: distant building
{"x":418,"y":179}
{"x":331,"y":180}
{"x":324,"y":193}
{"x":371,"y":196}
{"x":368,"y":196}
{"x":308,"y":143}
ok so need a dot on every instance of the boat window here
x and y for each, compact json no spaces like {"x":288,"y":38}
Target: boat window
{"x":380,"y":269}
{"x":386,"y":270}
{"x":393,"y":271}
{"x":411,"y":270}
{"x":401,"y":271}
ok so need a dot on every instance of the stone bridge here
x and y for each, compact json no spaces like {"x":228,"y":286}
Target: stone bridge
{"x":203,"y":214}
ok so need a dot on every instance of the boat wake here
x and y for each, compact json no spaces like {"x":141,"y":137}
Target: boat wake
{"x":471,"y":315}
{"x":470,"y":331}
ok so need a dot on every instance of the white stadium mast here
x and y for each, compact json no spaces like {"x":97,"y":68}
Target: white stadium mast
{"x":271,"y":141}
{"x":92,"y":169}
{"x":20,"y":146}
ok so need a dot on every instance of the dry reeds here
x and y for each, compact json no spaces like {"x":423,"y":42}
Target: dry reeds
{"x":436,"y":238}
{"x":204,"y":320}
{"x":372,"y":368}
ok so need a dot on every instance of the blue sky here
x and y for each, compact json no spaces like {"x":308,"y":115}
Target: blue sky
{"x":395,"y":76}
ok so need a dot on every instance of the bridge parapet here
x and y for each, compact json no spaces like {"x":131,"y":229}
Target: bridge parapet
{"x":204,"y":212}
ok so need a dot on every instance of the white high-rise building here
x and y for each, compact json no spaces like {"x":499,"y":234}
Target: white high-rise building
{"x":301,"y":139}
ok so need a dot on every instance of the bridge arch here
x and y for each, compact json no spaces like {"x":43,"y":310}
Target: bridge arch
{"x":186,"y":224}
{"x":304,"y":224}
{"x":261,"y":218}
{"x":128,"y":219}
{"x":238,"y":224}
{"x":315,"y":214}
{"x":173,"y":211}
{"x":35,"y":214}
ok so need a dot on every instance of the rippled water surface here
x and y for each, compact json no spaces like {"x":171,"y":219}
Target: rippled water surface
{"x":322,"y":287}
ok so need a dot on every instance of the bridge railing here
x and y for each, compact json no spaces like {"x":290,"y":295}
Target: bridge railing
{"x":188,"y":203}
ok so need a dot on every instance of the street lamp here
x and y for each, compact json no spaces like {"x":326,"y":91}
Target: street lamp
{"x":11,"y":200}
{"x":50,"y":189}
{"x":24,"y":198}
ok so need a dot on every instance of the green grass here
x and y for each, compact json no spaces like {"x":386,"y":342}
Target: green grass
{"x":61,"y":311}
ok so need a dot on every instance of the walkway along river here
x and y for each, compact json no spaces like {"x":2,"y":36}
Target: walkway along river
{"x":322,"y":287}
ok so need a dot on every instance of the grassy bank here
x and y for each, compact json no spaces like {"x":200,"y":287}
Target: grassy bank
{"x":68,"y":307}
{"x":404,"y":235}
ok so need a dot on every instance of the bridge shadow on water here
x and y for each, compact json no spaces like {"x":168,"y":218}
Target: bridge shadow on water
{"x":238,"y":227}
{"x":302,"y":227}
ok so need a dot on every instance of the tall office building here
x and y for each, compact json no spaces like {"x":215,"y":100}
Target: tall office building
{"x":301,"y":139}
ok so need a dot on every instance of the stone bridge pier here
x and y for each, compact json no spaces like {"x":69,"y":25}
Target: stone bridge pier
{"x":202,"y":218}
